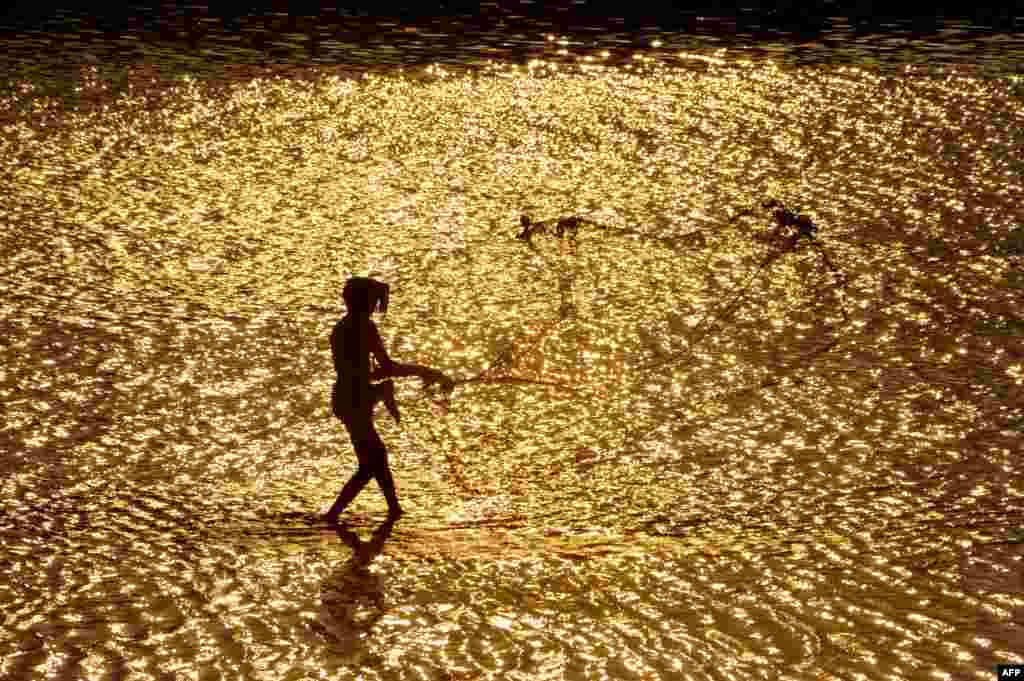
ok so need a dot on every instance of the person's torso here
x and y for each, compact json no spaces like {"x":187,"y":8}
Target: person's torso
{"x":350,"y":349}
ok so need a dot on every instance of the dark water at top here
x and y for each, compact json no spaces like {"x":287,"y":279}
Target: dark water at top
{"x":696,"y":453}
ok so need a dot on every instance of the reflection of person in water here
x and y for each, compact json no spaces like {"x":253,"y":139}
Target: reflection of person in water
{"x":352,"y":597}
{"x":354,"y":341}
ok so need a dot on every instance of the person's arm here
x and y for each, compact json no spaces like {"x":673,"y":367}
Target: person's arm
{"x":385,"y":366}
{"x":429,"y":375}
{"x":388,"y":368}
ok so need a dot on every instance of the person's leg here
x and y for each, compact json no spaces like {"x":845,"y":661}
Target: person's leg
{"x":378,"y":460}
{"x":359,"y":430}
{"x":349,"y":492}
{"x":386,"y":481}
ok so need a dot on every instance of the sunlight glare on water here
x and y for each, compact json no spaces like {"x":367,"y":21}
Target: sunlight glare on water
{"x":698,"y":455}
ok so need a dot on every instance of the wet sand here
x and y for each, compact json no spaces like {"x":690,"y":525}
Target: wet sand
{"x":717,"y":461}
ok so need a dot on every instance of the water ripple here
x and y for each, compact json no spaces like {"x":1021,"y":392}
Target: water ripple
{"x":679,"y":449}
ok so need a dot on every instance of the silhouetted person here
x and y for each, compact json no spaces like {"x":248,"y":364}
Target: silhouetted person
{"x":568,"y":226}
{"x":354,"y":340}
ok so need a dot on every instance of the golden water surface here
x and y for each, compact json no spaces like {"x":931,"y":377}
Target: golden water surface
{"x":698,"y":458}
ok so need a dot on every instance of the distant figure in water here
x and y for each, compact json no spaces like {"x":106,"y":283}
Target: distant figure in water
{"x":354,"y":340}
{"x":790,"y":225}
{"x":568,"y":226}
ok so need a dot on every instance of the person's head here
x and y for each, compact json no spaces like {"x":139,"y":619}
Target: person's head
{"x":364,"y":296}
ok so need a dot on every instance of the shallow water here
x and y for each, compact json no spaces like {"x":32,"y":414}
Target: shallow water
{"x":719,"y":459}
